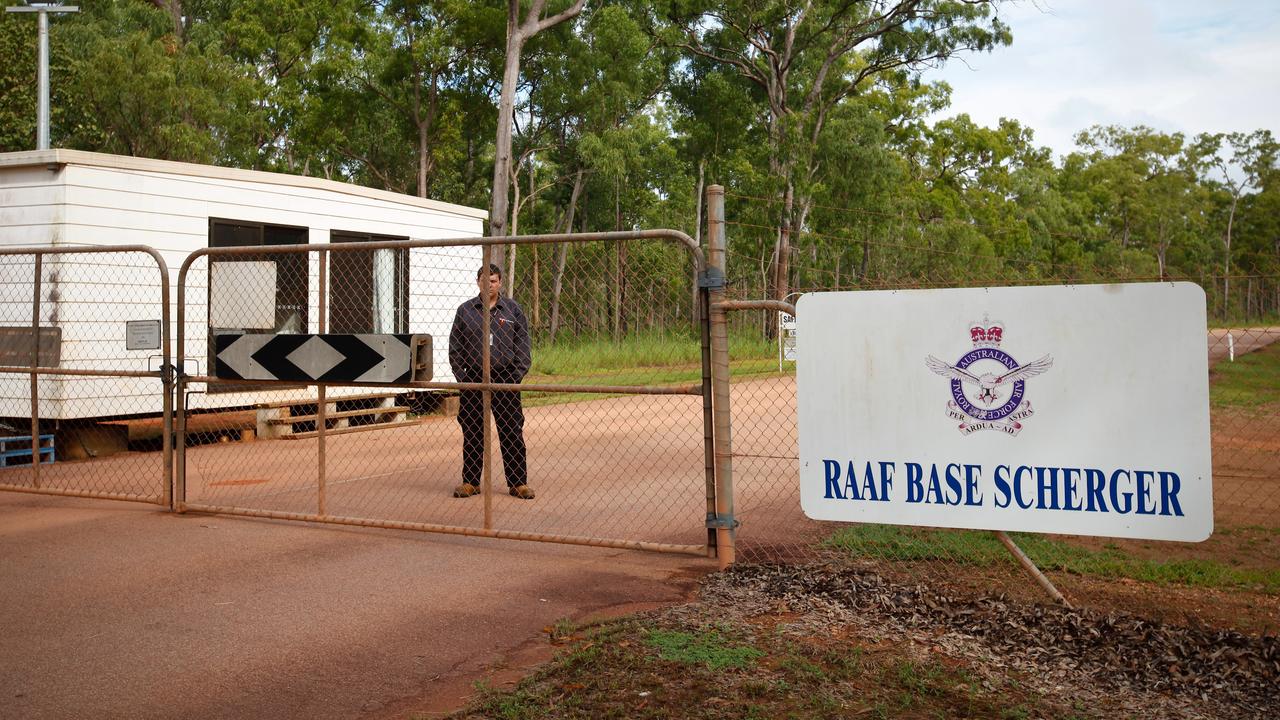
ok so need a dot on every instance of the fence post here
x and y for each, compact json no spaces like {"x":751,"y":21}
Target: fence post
{"x":714,"y":280}
{"x":35,"y":363}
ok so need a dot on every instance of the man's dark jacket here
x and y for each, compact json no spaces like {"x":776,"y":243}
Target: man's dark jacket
{"x":509,"y":356}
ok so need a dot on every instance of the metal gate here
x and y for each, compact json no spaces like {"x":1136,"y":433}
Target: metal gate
{"x":85,"y":372}
{"x":617,"y":406}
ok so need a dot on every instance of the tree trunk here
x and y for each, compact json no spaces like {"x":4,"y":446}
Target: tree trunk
{"x":498,"y":201}
{"x":562,"y":253}
{"x":695,"y":307}
{"x":534,"y":249}
{"x":515,"y":230}
{"x":517,"y":34}
{"x":866,"y":256}
{"x":537,"y":286}
{"x":620,"y":265}
{"x":1226,"y":262}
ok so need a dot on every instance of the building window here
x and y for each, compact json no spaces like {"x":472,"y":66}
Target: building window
{"x":237,"y":283}
{"x":262,"y":292}
{"x":368,"y":289}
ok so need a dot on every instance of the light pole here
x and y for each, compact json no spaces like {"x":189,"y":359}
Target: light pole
{"x":42,"y":10}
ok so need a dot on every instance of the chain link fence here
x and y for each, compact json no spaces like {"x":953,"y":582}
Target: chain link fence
{"x":1244,"y":356}
{"x":613,"y":402}
{"x":610,"y":416}
{"x":87,"y":398}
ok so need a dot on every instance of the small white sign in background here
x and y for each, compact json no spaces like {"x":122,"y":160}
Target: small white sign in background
{"x":1067,"y":409}
{"x":142,"y":335}
{"x":787,"y":337}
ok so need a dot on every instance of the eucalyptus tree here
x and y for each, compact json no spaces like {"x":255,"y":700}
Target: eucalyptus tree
{"x":135,"y":86}
{"x":1144,"y":180}
{"x":1252,"y":157}
{"x":393,"y":90}
{"x":590,"y":114}
{"x":18,"y":84}
{"x":805,"y":57}
{"x":279,"y":44}
{"x":522,"y":26}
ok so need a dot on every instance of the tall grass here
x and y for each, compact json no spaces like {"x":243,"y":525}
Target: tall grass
{"x":1253,"y":380}
{"x":649,"y":349}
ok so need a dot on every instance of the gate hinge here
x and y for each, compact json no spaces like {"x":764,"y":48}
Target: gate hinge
{"x":712,"y":279}
{"x":722,"y":522}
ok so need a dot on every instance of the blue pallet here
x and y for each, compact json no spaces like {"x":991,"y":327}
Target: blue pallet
{"x":16,"y":451}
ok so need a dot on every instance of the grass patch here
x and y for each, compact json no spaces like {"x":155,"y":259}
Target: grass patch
{"x":651,"y":668}
{"x":1252,"y":381}
{"x":654,"y":349}
{"x":645,"y":359}
{"x":891,"y":542}
{"x":708,"y":648}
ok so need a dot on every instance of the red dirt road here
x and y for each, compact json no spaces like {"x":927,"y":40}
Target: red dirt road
{"x":115,"y":610}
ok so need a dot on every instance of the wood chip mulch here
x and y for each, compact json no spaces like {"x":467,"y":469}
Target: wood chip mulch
{"x":1198,"y":671}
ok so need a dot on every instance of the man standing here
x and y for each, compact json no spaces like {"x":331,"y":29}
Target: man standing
{"x":509,"y":361}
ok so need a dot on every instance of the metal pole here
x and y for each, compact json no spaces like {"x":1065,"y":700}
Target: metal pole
{"x":166,"y":381}
{"x":42,"y":73}
{"x":321,"y":420}
{"x":724,"y":521}
{"x":486,"y":394}
{"x":1031,"y":568}
{"x":42,"y":113}
{"x":180,"y":395}
{"x":35,"y":379}
{"x":708,"y":413}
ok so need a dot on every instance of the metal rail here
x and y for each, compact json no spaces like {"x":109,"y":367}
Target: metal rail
{"x":485,"y":387}
{"x":698,"y":550}
{"x":35,"y":370}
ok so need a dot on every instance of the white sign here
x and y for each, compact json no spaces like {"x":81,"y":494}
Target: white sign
{"x":242,"y":294}
{"x":1079,"y":410}
{"x":787,"y":337}
{"x":142,"y":335}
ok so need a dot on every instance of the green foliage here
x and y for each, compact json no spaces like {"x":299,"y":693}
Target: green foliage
{"x":654,"y":349}
{"x":1252,"y":381}
{"x":17,"y":83}
{"x":709,"y":648}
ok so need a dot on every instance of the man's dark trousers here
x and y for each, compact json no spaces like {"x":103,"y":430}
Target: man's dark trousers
{"x":508,"y":415}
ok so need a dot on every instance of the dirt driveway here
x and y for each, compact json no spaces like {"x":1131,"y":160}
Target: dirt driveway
{"x":115,"y":610}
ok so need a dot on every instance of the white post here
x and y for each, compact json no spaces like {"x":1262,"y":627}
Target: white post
{"x":1231,"y":347}
{"x":42,"y":11}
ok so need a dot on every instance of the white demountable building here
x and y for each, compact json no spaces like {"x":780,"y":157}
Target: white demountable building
{"x":67,"y":198}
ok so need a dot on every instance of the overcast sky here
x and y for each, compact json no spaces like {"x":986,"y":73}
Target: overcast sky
{"x":1175,"y":65}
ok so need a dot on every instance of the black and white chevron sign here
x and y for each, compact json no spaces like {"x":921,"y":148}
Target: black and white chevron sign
{"x":381,"y":358}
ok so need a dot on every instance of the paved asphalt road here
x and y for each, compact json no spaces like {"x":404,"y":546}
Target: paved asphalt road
{"x":1243,"y":340}
{"x":116,"y":610}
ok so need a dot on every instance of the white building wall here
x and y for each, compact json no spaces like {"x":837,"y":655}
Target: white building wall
{"x":168,"y":206}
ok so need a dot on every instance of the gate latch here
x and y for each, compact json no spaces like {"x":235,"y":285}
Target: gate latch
{"x":712,"y":279}
{"x":722,"y":522}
